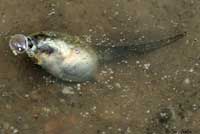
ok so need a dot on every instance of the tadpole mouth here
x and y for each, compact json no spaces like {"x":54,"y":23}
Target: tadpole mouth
{"x":18,"y":44}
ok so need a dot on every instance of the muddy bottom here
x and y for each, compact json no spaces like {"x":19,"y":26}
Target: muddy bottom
{"x":150,"y":93}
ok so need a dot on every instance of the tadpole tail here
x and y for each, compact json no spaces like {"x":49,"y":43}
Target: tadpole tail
{"x":151,"y":46}
{"x":108,"y":53}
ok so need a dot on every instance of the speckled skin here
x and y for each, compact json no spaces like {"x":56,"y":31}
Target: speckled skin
{"x":71,"y":59}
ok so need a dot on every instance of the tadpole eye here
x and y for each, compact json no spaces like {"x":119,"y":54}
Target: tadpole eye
{"x":18,"y":44}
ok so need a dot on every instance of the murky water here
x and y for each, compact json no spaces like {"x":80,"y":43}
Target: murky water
{"x":153,"y":93}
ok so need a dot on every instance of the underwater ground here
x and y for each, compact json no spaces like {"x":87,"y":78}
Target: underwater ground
{"x":152,"y":93}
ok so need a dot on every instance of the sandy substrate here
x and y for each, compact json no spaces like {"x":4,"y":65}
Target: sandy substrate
{"x":154,"y":93}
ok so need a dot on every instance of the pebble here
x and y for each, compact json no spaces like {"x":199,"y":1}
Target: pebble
{"x":187,"y":81}
{"x":15,"y":131}
{"x":148,"y":111}
{"x":147,"y":66}
{"x":118,"y":85}
{"x":191,"y":70}
{"x":114,"y":28}
{"x":67,"y":90}
{"x":51,"y":13}
{"x":137,"y":62}
{"x":78,"y":86}
{"x":128,"y":130}
{"x":194,"y":107}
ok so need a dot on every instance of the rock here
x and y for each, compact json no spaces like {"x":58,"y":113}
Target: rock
{"x":67,"y":90}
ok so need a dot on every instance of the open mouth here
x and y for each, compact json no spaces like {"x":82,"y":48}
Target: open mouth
{"x":18,"y":44}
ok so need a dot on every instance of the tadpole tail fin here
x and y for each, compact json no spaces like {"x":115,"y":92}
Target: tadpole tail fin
{"x":150,"y":46}
{"x":108,"y":53}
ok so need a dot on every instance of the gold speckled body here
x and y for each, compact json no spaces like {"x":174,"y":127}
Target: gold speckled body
{"x":71,"y":60}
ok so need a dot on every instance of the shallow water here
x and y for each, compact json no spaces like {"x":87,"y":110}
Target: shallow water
{"x":156,"y":92}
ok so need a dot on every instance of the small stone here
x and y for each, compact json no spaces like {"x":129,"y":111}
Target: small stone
{"x":90,"y":30}
{"x":94,"y":108}
{"x":114,"y":28}
{"x":46,"y":110}
{"x":67,"y":90}
{"x":27,"y":96}
{"x":15,"y":131}
{"x":111,"y":77}
{"x":191,"y":70}
{"x":128,"y":130}
{"x":129,"y":18}
{"x":118,"y":85}
{"x":147,"y":66}
{"x":137,"y":62}
{"x":194,"y":107}
{"x":119,"y":129}
{"x":148,"y":111}
{"x":78,"y":86}
{"x":12,"y":128}
{"x":187,"y":81}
